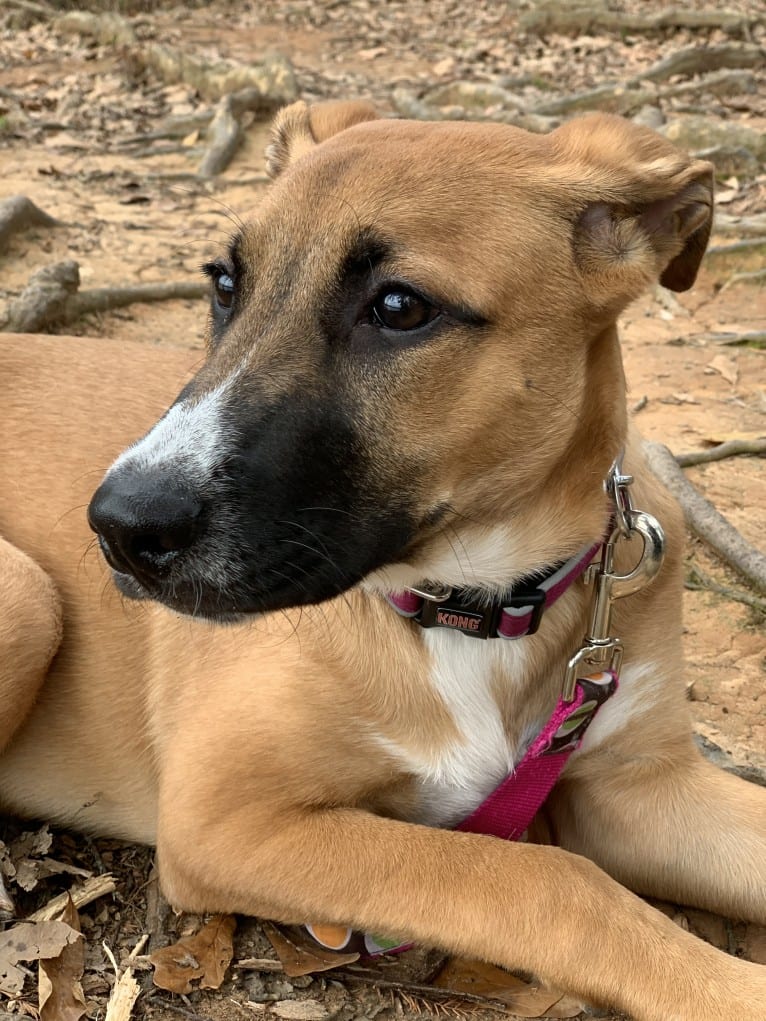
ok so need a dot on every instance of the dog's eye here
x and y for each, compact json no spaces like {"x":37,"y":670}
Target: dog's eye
{"x":399,"y":309}
{"x":224,"y":290}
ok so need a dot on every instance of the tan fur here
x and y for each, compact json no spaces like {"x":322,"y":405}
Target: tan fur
{"x":267,"y":760}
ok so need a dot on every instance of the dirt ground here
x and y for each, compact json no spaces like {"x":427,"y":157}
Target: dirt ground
{"x":75,"y":121}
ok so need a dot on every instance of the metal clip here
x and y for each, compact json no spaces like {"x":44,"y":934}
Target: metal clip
{"x":430,"y":595}
{"x":617,"y":486}
{"x":601,"y":650}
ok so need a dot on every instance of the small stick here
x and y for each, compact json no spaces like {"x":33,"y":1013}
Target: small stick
{"x":697,"y":581}
{"x":705,"y":521}
{"x":427,"y":992}
{"x":125,"y":989}
{"x":90,"y":890}
{"x":732,"y":448}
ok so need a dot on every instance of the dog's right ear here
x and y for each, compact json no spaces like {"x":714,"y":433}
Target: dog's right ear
{"x":299,"y":127}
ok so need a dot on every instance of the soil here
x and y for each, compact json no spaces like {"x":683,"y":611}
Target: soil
{"x":73,"y":121}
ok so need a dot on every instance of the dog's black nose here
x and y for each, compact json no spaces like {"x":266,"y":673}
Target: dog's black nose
{"x":143,"y":522}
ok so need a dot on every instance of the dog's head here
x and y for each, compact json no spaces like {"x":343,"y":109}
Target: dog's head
{"x":412,"y":370}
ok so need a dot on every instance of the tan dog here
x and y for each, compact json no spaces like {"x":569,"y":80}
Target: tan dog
{"x":413,"y":376}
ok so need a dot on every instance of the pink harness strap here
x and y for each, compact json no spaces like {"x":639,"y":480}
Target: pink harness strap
{"x":511,"y":807}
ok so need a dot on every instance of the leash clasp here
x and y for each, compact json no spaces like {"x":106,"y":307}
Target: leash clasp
{"x":601,"y":650}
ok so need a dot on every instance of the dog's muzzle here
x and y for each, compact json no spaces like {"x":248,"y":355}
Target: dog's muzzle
{"x":145,"y":522}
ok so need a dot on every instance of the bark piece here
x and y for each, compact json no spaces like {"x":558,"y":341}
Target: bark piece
{"x":705,"y":521}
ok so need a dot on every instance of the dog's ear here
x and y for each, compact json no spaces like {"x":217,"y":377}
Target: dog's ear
{"x":647,"y":212}
{"x":299,"y":127}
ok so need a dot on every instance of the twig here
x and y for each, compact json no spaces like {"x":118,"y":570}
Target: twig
{"x":732,"y":448}
{"x":258,"y":964}
{"x":755,"y":337}
{"x":427,"y":992}
{"x":90,"y":890}
{"x":698,"y":581}
{"x":125,"y":989}
{"x":19,"y":212}
{"x":705,"y":521}
{"x":175,"y":1009}
{"x":756,"y":276}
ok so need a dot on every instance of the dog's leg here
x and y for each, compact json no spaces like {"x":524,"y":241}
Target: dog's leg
{"x":679,"y":829}
{"x":522,"y":906}
{"x":30,"y":632}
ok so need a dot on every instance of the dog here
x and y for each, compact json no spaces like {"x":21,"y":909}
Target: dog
{"x":413,"y":384}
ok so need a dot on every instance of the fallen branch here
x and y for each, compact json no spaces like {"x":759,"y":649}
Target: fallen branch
{"x":732,"y":448}
{"x":17,"y":213}
{"x":91,"y":889}
{"x":225,"y":137}
{"x":51,"y":298}
{"x":705,"y":521}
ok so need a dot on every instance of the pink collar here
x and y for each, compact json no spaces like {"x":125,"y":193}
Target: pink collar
{"x":512,"y":615}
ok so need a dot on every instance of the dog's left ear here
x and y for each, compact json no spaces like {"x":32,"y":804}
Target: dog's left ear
{"x":648,"y":208}
{"x":299,"y":127}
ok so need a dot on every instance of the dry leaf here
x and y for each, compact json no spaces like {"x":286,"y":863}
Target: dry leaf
{"x":299,"y":954}
{"x":191,"y":139}
{"x":204,"y":956}
{"x":524,"y":998}
{"x":59,"y":988}
{"x":30,"y":941}
{"x":300,"y":1010}
{"x":726,"y":367}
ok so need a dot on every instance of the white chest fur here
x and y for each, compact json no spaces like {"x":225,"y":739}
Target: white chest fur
{"x":458,"y":776}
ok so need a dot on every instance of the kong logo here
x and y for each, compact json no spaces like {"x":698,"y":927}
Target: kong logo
{"x":459,"y":621}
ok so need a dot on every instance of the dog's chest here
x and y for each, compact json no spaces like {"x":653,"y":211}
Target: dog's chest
{"x":454,"y":778}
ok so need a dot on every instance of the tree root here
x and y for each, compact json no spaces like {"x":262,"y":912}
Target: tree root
{"x":732,"y":448}
{"x":705,"y":521}
{"x":51,"y":298}
{"x":17,"y":213}
{"x":591,"y":17}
